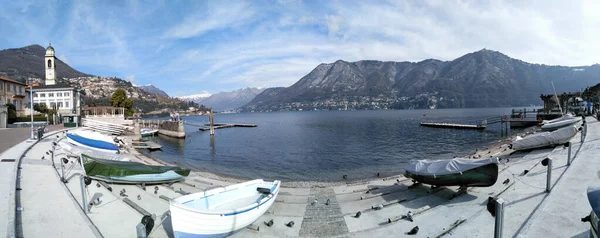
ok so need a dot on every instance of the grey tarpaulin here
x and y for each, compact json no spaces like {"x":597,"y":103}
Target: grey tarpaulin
{"x":442,"y":167}
{"x":544,"y":139}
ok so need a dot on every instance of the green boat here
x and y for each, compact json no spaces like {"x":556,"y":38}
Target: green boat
{"x":116,"y":171}
{"x":455,"y":172}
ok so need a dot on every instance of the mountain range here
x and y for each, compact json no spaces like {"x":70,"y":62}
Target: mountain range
{"x":225,"y":101}
{"x":153,"y":90}
{"x":484,"y":78}
{"x":28,"y":62}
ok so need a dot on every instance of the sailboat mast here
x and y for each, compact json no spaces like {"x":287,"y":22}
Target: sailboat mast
{"x":557,"y":99}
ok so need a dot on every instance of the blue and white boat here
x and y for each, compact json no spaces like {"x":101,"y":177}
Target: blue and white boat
{"x":93,"y":140}
{"x":148,"y":132}
{"x":223,"y":211}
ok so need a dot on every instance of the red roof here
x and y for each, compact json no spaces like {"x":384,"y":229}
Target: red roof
{"x":10,"y":80}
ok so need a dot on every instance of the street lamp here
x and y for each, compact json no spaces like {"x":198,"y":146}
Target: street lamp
{"x":31,"y":84}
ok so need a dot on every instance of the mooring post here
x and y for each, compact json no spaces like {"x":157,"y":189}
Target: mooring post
{"x":549,"y":175}
{"x":212,"y":122}
{"x":499,"y":218}
{"x":568,"y":144}
{"x":84,"y":203}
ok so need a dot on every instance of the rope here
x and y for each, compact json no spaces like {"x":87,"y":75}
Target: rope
{"x":518,"y":179}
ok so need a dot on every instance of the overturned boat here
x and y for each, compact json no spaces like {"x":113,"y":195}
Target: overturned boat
{"x":94,"y":141}
{"x":221,"y":212}
{"x":561,"y":122}
{"x":455,"y":172}
{"x":544,"y":139}
{"x":127,"y":172}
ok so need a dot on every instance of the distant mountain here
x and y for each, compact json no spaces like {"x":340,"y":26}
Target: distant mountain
{"x":28,"y":62}
{"x":484,"y":78}
{"x":153,"y":90}
{"x":226,"y":101}
{"x":197,"y":98}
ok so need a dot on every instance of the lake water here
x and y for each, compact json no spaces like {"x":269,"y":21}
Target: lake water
{"x":325,"y":145}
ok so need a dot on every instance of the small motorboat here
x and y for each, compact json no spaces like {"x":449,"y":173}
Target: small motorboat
{"x":560,"y":123}
{"x":127,"y":172}
{"x":544,"y":139}
{"x":148,"y":132}
{"x":455,"y":172}
{"x":93,"y":140}
{"x":222,"y":211}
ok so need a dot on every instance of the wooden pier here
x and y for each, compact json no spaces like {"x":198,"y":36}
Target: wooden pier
{"x":220,"y":126}
{"x":453,"y":126}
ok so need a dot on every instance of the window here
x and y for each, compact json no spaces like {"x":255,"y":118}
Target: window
{"x":60,"y":104}
{"x":35,"y":95}
{"x":20,"y":90}
{"x":15,"y":89}
{"x":52,"y":105}
{"x":42,"y":95}
{"x":49,"y":63}
{"x":50,"y":95}
{"x":20,"y":105}
{"x":1,"y":85}
{"x":59,"y":95}
{"x":66,"y":104}
{"x":66,"y":94}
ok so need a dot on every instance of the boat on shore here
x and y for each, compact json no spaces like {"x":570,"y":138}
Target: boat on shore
{"x":148,"y":132}
{"x":93,"y":140}
{"x":561,"y":122}
{"x":544,"y":139}
{"x":455,"y":172}
{"x":127,"y":172}
{"x":221,"y":212}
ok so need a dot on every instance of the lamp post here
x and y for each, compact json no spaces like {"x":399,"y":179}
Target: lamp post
{"x":31,"y":110}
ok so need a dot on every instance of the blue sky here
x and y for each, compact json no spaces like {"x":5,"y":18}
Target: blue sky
{"x":190,"y":47}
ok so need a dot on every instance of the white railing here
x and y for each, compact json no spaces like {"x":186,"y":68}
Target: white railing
{"x":106,"y":127}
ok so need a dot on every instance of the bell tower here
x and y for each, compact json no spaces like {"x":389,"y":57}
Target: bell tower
{"x":50,"y":65}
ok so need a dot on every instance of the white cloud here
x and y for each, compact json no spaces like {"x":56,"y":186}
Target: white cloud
{"x":131,"y":79}
{"x":64,"y":59}
{"x":212,"y":17}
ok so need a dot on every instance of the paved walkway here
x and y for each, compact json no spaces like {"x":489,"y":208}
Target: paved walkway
{"x":12,"y":136}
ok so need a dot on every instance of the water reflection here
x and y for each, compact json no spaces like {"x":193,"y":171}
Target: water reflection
{"x":213,"y":151}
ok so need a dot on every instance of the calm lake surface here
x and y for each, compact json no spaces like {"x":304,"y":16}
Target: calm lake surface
{"x":325,"y":145}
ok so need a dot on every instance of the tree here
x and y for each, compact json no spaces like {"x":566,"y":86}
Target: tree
{"x":40,"y":107}
{"x":119,"y":99}
{"x":12,"y":113}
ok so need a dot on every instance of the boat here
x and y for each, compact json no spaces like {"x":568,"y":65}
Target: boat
{"x":222,"y":211}
{"x":544,"y":139}
{"x":76,"y":151}
{"x":148,"y":132}
{"x":563,"y":117}
{"x":563,"y":122}
{"x":462,"y":172}
{"x":127,"y":172}
{"x":93,"y":140}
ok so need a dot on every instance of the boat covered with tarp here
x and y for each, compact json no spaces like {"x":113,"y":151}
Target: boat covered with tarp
{"x":544,"y":139}
{"x":76,"y":151}
{"x":221,"y":212}
{"x":130,"y":172}
{"x":454,"y":172}
{"x":93,"y":140}
{"x":560,"y":122}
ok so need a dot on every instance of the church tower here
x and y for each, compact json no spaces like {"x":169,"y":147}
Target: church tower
{"x":50,"y":65}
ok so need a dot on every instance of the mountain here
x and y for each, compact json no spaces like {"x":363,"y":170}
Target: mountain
{"x":484,"y":78}
{"x":153,"y":90}
{"x":28,"y":62}
{"x":227,"y":101}
{"x":197,"y":98}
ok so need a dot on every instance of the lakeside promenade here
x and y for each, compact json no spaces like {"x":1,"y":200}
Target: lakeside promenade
{"x":46,"y":207}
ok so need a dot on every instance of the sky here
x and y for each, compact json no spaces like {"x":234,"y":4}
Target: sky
{"x":191,"y":47}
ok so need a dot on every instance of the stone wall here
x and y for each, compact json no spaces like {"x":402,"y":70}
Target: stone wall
{"x":3,"y":116}
{"x":172,"y":129}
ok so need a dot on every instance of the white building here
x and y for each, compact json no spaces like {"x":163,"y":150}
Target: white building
{"x":68,"y":100}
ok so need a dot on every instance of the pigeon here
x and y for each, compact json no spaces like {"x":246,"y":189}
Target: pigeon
{"x":506,"y":181}
{"x":290,"y":224}
{"x":413,"y":231}
{"x":409,"y":216}
{"x":357,"y":214}
{"x":270,"y":223}
{"x":586,"y":219}
{"x":314,"y":202}
{"x":139,"y":197}
{"x":378,"y":175}
{"x":327,"y":202}
{"x":378,"y":207}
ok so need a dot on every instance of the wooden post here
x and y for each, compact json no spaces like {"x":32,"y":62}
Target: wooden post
{"x":212,"y":122}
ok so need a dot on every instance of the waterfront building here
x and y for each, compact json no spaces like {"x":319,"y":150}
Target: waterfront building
{"x":68,"y":100}
{"x":13,"y":92}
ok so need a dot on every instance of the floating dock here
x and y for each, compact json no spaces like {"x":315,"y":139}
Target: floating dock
{"x":454,"y":126}
{"x":151,"y":145}
{"x":220,"y":126}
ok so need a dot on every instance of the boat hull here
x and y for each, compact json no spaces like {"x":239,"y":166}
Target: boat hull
{"x":189,"y":222}
{"x":545,"y":139}
{"x":92,"y":144}
{"x":483,"y":176}
{"x":148,"y":132}
{"x":560,"y":124}
{"x":130,"y":172}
